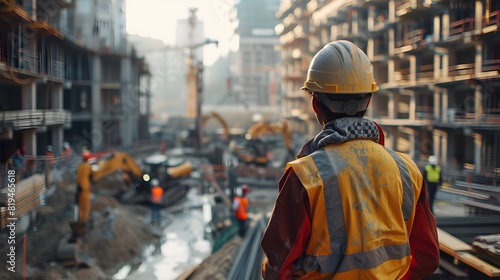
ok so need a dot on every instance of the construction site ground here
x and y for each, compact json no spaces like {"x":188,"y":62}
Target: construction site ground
{"x":120,"y":243}
{"x":124,"y":245}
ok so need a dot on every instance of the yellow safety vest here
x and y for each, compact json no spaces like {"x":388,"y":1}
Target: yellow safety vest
{"x":432,"y":173}
{"x":362,"y":198}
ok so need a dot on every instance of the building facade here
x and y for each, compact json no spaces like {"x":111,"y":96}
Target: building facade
{"x":55,"y":89}
{"x":257,"y":81}
{"x":437,"y":66}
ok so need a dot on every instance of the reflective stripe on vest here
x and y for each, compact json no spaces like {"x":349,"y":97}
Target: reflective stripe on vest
{"x":432,"y":173}
{"x":343,"y":185}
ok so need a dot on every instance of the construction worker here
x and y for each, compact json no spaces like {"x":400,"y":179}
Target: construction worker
{"x":83,"y":194}
{"x":156,"y":201}
{"x":348,"y":208}
{"x":432,"y":175}
{"x":240,"y":208}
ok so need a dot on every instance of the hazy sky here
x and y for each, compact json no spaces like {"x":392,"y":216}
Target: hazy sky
{"x":157,"y":19}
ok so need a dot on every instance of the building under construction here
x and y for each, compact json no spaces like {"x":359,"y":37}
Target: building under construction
{"x":436,"y":63}
{"x":56,"y":86}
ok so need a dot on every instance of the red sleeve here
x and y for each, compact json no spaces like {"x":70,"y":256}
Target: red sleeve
{"x":423,"y":241}
{"x":288,"y":229}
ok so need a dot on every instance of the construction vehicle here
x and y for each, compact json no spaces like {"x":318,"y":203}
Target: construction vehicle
{"x":113,"y":174}
{"x":173,"y":175}
{"x":256,"y":150}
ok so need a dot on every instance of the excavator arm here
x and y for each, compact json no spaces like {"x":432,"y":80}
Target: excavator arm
{"x":118,"y":161}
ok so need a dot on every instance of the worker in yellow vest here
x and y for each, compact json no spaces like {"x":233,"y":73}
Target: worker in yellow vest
{"x":156,"y":201}
{"x":240,"y":207}
{"x":432,"y":175}
{"x":348,"y":207}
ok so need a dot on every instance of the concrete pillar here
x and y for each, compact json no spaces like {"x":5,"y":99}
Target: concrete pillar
{"x":437,"y":29}
{"x":436,"y":142}
{"x":478,"y":59}
{"x":446,"y":24}
{"x":393,"y":141}
{"x":443,"y":156}
{"x":95,"y":135}
{"x":478,"y":103}
{"x":412,"y":139}
{"x":370,"y":48}
{"x":128,"y":103}
{"x":392,"y":42}
{"x":391,"y":105}
{"x":371,"y":18}
{"x":445,"y":64}
{"x":29,"y":141}
{"x":391,"y":69}
{"x":478,"y":17}
{"x":57,"y":96}
{"x":392,"y":11}
{"x":477,"y":153}
{"x":437,"y":65}
{"x":445,"y":101}
{"x":413,"y":68}
{"x":29,"y":96}
{"x":437,"y":105}
{"x":412,"y":107}
{"x":57,"y":139}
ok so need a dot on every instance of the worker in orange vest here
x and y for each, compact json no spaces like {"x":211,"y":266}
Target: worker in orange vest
{"x":156,"y":201}
{"x":240,"y":207}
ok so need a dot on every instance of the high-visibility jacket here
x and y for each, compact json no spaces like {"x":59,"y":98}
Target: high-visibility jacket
{"x":433,"y":173}
{"x":240,"y":207}
{"x":156,"y":194}
{"x":354,"y":205}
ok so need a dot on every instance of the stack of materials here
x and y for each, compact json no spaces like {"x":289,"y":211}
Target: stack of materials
{"x":488,"y":247}
{"x":27,"y":196}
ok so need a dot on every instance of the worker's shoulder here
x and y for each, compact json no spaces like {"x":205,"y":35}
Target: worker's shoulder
{"x":410,"y":163}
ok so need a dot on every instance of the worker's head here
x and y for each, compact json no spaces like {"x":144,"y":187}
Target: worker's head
{"x":86,"y":155}
{"x":65,"y":145}
{"x":49,"y":148}
{"x":433,"y":160}
{"x":245,"y":189}
{"x":340,"y":81}
{"x":155,"y":182}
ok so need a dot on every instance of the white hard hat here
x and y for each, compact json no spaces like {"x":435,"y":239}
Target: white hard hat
{"x":433,"y":160}
{"x":155,"y":182}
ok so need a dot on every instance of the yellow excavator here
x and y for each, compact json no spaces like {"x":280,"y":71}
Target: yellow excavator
{"x":255,"y":150}
{"x":96,"y":175}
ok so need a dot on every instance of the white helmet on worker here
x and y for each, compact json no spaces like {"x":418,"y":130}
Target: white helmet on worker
{"x":433,"y":160}
{"x":155,"y":182}
{"x":341,"y":76}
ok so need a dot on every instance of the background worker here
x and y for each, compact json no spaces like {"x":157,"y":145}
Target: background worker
{"x":348,"y":208}
{"x":240,"y":208}
{"x":83,"y":192}
{"x":432,"y":175}
{"x":156,"y":201}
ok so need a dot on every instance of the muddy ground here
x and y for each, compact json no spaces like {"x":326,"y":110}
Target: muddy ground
{"x":116,"y":234}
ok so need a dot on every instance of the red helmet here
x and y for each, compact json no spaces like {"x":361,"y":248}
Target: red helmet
{"x":86,"y":155}
{"x":245,"y":189}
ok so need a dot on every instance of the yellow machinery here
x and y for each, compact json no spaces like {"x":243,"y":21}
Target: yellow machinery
{"x":255,"y":150}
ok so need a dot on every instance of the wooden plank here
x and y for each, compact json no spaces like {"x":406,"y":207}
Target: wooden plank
{"x":481,"y":205}
{"x":479,"y":264}
{"x":452,"y":245}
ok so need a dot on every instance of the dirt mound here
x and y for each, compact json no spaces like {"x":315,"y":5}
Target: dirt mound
{"x":115,"y":235}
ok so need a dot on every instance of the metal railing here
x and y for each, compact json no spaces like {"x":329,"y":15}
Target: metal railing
{"x":247,"y":264}
{"x":24,"y":119}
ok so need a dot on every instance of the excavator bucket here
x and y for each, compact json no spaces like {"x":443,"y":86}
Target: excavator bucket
{"x":70,"y":253}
